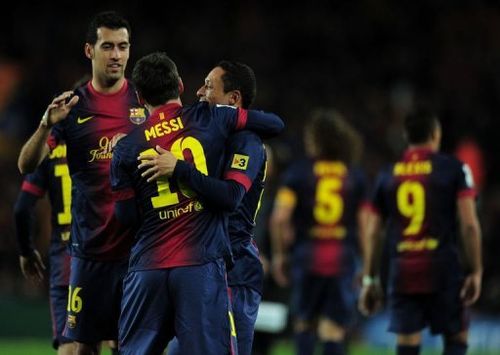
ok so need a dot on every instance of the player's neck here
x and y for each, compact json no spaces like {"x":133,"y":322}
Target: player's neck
{"x":424,"y":146}
{"x":107,"y":89}
{"x":154,"y":108}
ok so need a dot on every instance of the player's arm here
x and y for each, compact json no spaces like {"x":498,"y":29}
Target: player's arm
{"x":126,"y":210}
{"x":471,"y":236}
{"x":282,"y":234}
{"x":370,"y":299}
{"x":36,"y":148}
{"x":224,"y":195}
{"x":30,"y":260}
{"x":264,"y":124}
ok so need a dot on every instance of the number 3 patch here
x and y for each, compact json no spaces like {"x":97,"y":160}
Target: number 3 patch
{"x":240,"y":161}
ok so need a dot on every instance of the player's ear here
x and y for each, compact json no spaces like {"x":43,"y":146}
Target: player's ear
{"x":181,"y":86}
{"x":89,"y":51}
{"x":235,"y":98}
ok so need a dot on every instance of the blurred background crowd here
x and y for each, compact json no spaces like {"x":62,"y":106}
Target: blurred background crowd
{"x":370,"y":59}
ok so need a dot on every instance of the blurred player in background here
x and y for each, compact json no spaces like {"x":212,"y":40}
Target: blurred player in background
{"x":88,"y":121}
{"x":51,"y":176}
{"x":176,"y":283}
{"x":234,"y":84}
{"x":317,"y":213}
{"x":419,"y":198}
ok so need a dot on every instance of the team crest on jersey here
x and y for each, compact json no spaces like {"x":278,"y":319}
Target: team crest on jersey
{"x":71,"y":321}
{"x":240,"y":161}
{"x":137,"y":115}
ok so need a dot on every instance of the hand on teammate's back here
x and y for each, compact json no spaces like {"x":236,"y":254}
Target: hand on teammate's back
{"x":157,"y":165}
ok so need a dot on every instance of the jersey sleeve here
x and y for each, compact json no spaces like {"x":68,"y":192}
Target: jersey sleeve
{"x":37,"y":182}
{"x":23,"y":218}
{"x":231,"y":119}
{"x":245,"y":154}
{"x":466,"y":186}
{"x":57,"y":135}
{"x":361,"y":186}
{"x":121,"y":178}
{"x":377,"y":201}
{"x":286,"y":195}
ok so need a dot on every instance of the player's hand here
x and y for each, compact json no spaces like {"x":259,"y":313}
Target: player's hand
{"x":279,"y":268}
{"x":157,"y":165}
{"x":370,"y":299}
{"x":116,"y":138}
{"x":59,"y":108}
{"x":471,"y":289}
{"x":32,"y":266}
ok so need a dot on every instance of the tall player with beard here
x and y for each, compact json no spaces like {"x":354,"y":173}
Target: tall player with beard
{"x":87,"y":120}
{"x":176,"y":283}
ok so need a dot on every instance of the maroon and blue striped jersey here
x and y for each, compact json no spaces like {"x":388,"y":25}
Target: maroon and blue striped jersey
{"x":326,"y":197}
{"x":417,"y":196}
{"x":52,"y":177}
{"x":88,"y":130}
{"x":177,"y":229}
{"x":246,"y":164}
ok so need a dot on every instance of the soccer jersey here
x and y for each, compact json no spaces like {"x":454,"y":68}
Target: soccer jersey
{"x":52,"y":176}
{"x":326,"y":196}
{"x":418,"y":197}
{"x":88,"y":130}
{"x":177,"y":229}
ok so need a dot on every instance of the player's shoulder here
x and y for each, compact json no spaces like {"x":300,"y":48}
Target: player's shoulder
{"x":245,"y":137}
{"x":446,"y":161}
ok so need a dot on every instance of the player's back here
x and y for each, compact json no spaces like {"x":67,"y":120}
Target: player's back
{"x":327,"y":197}
{"x":418,"y":197}
{"x":88,"y":131}
{"x":176,"y":228}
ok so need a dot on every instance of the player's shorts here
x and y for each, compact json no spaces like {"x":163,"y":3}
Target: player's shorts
{"x":189,"y":302}
{"x":245,"y":302}
{"x":332,"y":297}
{"x":58,"y":296}
{"x":94,"y":300}
{"x":443,"y":312}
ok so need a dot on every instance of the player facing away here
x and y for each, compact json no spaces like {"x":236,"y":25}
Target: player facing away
{"x":176,"y":284}
{"x":52,"y":176}
{"x":100,"y":109}
{"x":230,"y":83}
{"x":317,"y":213}
{"x":418,"y":198}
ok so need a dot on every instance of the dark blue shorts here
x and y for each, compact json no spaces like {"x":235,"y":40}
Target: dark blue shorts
{"x":332,"y":297}
{"x":245,"y":302}
{"x":58,"y":302}
{"x":442,"y":311}
{"x":189,"y":302}
{"x":94,"y":301}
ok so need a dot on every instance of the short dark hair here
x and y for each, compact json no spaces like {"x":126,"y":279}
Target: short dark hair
{"x":239,"y":76}
{"x":334,"y":137}
{"x":156,"y":78}
{"x":420,"y":125}
{"x":108,"y":19}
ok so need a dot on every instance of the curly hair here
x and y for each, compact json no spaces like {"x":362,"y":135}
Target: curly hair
{"x":333,"y":137}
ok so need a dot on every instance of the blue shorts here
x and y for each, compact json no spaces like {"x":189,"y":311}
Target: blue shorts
{"x":189,"y":302}
{"x":58,"y":302}
{"x":443,"y":312}
{"x":94,"y":301}
{"x":332,"y":297}
{"x":245,"y":302}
